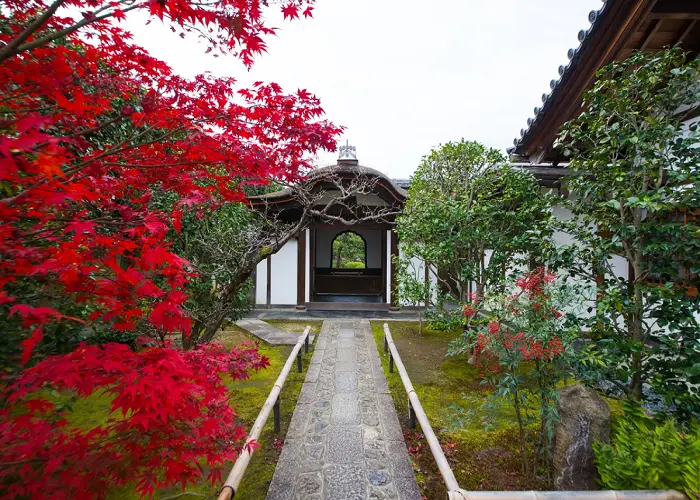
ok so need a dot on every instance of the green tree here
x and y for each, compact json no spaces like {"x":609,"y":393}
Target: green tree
{"x":636,"y":166}
{"x":472,"y":216}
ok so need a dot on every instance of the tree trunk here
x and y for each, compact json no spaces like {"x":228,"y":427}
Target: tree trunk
{"x":215,"y":321}
{"x":636,"y":329}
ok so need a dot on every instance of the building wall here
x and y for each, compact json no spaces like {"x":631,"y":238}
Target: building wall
{"x":324,"y":240}
{"x":284,"y":277}
{"x":261,"y":283}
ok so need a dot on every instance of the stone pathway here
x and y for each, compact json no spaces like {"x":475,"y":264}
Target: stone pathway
{"x":344,"y":441}
{"x":268,"y":333}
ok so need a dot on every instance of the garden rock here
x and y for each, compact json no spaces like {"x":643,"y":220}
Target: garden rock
{"x":584,"y":417}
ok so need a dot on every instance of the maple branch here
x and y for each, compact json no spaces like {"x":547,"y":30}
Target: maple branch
{"x":11,"y":47}
{"x":24,"y":47}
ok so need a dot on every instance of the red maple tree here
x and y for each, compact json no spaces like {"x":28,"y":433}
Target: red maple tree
{"x":91,"y":125}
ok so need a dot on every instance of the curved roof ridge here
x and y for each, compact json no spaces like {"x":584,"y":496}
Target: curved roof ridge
{"x":320,"y":172}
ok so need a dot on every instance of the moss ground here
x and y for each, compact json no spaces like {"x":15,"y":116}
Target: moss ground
{"x":480,"y":459}
{"x":247,"y":397}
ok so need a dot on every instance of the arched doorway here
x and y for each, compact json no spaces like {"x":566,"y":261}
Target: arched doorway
{"x":348,"y":251}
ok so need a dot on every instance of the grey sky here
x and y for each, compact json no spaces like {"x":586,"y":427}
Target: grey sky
{"x":404,"y":76}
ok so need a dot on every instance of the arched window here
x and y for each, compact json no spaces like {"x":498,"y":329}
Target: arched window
{"x":349,"y":251}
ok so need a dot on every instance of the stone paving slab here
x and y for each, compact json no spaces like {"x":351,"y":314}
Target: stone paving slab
{"x":268,"y":333}
{"x":344,"y":441}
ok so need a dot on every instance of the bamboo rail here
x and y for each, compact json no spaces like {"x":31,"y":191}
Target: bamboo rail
{"x":419,"y":414}
{"x":454,"y":492}
{"x":234,"y":478}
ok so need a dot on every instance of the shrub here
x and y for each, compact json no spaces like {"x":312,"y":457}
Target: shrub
{"x":650,"y":454}
{"x":444,"y":319}
{"x":524,"y":348}
{"x":354,"y":265}
{"x":116,"y":336}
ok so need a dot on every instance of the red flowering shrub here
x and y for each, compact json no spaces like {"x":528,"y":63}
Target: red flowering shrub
{"x":523,"y":353}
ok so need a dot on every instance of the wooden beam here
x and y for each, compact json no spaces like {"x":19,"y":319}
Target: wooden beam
{"x":656,"y":24}
{"x":674,"y":15}
{"x":676,"y":8}
{"x":691,"y":25}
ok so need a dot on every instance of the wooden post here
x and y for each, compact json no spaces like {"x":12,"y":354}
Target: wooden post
{"x":276,"y":411}
{"x":411,"y":415}
{"x":299,"y":361}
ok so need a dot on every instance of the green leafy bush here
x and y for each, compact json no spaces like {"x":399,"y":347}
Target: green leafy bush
{"x":650,"y":454}
{"x":354,"y":265}
{"x":116,"y":336}
{"x":444,"y":320}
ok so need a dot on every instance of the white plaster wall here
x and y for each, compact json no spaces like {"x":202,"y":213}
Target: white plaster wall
{"x":261,"y":283}
{"x":284,"y":275}
{"x":307,"y":281}
{"x":324,"y":239}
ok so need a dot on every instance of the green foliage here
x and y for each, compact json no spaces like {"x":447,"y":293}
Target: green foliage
{"x":636,"y":165}
{"x":444,"y":319}
{"x":647,"y":454}
{"x":117,"y":336}
{"x":348,"y":248}
{"x":355,"y":265}
{"x":472,"y":216}
{"x":218,"y":243}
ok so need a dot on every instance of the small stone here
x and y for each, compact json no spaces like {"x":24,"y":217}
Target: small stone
{"x":370,"y":434}
{"x":379,"y":477}
{"x":309,"y":484}
{"x":372,"y":420}
{"x":315,"y":451}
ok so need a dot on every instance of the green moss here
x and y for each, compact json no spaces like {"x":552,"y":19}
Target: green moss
{"x":296,"y":325}
{"x":480,"y":459}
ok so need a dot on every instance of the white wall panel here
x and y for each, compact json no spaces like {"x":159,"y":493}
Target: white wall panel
{"x":284,"y":275}
{"x":261,"y":283}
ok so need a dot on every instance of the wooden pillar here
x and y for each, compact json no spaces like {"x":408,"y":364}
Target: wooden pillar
{"x":394,"y":254}
{"x":301,"y":271}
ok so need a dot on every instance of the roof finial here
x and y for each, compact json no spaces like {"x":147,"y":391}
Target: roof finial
{"x":347,"y":152}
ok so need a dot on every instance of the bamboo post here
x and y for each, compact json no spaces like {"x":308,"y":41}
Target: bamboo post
{"x":233,"y":480}
{"x":276,"y":415}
